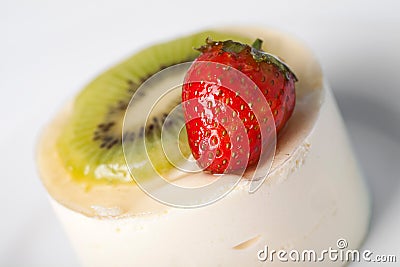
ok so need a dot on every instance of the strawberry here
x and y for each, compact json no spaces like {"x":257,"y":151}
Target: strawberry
{"x":224,"y":89}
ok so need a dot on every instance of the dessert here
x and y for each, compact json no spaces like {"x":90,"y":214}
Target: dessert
{"x":313,"y":195}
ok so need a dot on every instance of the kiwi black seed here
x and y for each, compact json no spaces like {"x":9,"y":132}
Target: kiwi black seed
{"x":90,"y":145}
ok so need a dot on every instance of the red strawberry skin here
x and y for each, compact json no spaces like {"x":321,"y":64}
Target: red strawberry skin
{"x":223,"y":131}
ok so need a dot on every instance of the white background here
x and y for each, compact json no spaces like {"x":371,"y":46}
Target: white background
{"x":50,"y":49}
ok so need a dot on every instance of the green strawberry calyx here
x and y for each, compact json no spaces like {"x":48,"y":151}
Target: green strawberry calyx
{"x":258,"y":55}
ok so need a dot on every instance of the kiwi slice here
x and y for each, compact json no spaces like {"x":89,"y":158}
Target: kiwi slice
{"x":90,"y":146}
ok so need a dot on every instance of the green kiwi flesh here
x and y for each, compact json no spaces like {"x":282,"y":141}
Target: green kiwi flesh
{"x":90,"y":145}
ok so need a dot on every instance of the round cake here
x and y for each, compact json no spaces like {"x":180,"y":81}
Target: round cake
{"x":313,"y":196}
